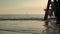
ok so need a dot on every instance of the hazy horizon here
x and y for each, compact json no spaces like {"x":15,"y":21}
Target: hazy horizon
{"x":22,"y":6}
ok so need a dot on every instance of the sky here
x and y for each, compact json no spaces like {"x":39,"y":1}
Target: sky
{"x":22,"y":6}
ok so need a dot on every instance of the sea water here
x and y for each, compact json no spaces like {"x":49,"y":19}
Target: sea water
{"x":21,"y":27}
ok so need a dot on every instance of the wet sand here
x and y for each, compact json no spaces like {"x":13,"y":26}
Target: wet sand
{"x":27,"y":27}
{"x":21,"y":27}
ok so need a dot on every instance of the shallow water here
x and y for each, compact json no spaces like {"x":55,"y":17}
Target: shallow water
{"x":21,"y":27}
{"x":27,"y":27}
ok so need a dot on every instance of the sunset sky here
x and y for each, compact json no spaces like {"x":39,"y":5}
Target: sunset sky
{"x":22,"y":6}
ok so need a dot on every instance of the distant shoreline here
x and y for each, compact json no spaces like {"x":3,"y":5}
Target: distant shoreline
{"x":21,"y":17}
{"x":25,"y":19}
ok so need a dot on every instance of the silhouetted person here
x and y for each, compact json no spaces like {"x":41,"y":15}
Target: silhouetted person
{"x":57,"y":12}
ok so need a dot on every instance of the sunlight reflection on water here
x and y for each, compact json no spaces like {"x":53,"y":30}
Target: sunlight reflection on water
{"x":22,"y":25}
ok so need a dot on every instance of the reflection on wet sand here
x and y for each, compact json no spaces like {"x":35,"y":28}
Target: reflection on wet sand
{"x":27,"y":27}
{"x":21,"y":27}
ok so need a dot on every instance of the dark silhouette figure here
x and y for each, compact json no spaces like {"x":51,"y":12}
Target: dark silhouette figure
{"x":57,"y":11}
{"x":49,"y":11}
{"x":55,"y":8}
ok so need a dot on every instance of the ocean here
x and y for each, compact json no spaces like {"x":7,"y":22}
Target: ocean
{"x":21,"y":26}
{"x":20,"y":16}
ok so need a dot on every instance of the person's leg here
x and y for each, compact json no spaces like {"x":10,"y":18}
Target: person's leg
{"x":57,"y":12}
{"x":58,"y":21}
